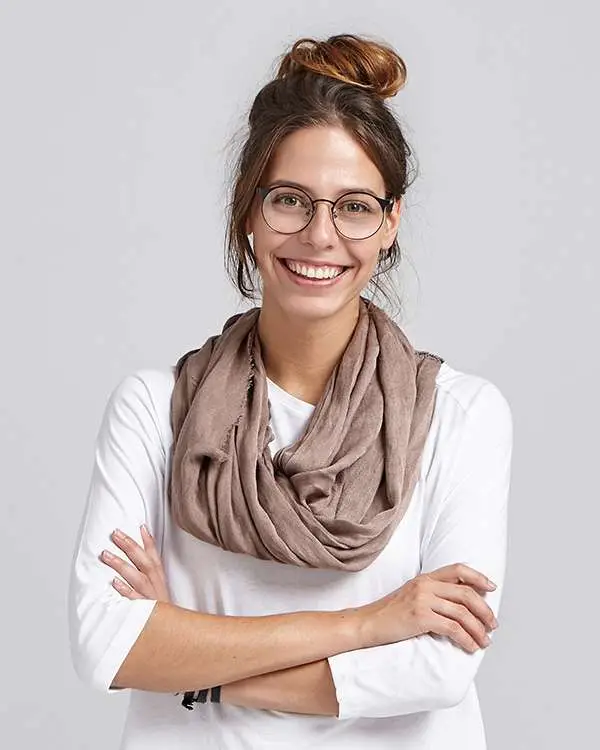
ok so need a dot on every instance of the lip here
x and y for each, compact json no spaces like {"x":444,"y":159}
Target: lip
{"x":314,"y":283}
{"x":315,"y":263}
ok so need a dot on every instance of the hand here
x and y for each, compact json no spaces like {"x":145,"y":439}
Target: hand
{"x":444,"y":602}
{"x":146,"y":577}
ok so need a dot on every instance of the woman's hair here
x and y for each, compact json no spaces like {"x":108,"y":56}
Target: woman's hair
{"x":342,"y":81}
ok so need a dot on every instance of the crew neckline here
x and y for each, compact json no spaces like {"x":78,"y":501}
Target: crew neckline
{"x":292,"y":401}
{"x":304,"y":407}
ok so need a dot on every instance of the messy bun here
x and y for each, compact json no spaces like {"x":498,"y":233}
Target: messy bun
{"x":339,"y":82}
{"x":361,"y":62}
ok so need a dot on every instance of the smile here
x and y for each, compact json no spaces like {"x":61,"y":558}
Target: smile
{"x":320,"y":273}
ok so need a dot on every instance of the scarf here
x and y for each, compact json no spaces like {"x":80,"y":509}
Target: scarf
{"x":333,"y":498}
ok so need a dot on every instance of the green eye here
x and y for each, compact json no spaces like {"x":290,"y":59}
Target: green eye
{"x":354,"y":207}
{"x":289,"y":200}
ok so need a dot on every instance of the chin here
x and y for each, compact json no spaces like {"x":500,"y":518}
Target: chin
{"x":304,"y":308}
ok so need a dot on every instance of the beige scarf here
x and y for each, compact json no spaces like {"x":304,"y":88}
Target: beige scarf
{"x":333,"y":498}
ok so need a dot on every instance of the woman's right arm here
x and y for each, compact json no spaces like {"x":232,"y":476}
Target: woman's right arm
{"x":180,"y":650}
{"x":149,"y":645}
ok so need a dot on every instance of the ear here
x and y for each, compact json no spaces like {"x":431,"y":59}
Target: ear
{"x":392,"y":223}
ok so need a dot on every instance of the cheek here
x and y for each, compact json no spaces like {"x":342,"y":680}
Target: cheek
{"x":266,"y":246}
{"x":366,"y":254}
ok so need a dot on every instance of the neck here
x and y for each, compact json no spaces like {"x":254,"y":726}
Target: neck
{"x":300,"y":355}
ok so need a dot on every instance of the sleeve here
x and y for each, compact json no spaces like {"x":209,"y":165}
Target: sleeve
{"x":468,"y":525}
{"x":125,"y":491}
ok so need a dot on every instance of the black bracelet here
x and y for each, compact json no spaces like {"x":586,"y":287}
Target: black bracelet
{"x":215,"y":694}
{"x":193,"y":696}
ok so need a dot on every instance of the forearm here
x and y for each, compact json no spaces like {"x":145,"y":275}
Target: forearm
{"x":180,"y":650}
{"x":306,"y":689}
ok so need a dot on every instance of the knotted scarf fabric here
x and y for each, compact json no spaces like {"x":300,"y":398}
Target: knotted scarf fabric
{"x":333,"y":498}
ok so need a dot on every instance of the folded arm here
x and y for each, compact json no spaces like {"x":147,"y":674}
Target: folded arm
{"x":467,"y":522}
{"x":316,"y":669}
{"x":122,"y":643}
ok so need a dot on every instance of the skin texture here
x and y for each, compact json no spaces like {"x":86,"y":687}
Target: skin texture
{"x":305,"y":688}
{"x":280,"y":662}
{"x":304,"y":331}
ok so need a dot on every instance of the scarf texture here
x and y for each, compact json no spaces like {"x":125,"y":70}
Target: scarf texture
{"x":333,"y":498}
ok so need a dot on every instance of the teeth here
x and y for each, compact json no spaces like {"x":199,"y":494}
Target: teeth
{"x":314,"y":272}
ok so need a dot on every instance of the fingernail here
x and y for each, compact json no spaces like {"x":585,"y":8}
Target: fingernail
{"x":486,"y":641}
{"x":491,"y":585}
{"x":107,"y":555}
{"x":119,"y":534}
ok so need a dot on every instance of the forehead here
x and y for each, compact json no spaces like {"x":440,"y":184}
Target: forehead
{"x":325,"y":160}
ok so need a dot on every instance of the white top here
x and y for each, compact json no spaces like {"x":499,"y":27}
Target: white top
{"x":416,"y":694}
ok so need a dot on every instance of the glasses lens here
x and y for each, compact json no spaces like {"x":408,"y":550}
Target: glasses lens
{"x":286,"y":209}
{"x":357,"y":215}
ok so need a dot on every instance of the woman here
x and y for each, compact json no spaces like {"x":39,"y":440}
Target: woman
{"x":312,"y":510}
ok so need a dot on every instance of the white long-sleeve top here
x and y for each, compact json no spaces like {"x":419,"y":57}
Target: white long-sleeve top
{"x":416,"y":694}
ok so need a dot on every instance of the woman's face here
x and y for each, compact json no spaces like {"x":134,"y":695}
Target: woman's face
{"x":325,"y":162}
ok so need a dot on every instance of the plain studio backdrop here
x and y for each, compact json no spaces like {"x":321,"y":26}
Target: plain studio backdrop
{"x":115,"y":122}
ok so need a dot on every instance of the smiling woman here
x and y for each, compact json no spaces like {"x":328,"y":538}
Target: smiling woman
{"x":325,"y":503}
{"x":327,"y":100}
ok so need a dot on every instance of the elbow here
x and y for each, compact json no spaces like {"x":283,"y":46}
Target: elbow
{"x":451,"y":693}
{"x":120,"y":680}
{"x":101,"y":670}
{"x":125,"y":677}
{"x":447,"y":674}
{"x":87,"y":659}
{"x":86,"y":667}
{"x":455,"y":680}
{"x":101,"y":638}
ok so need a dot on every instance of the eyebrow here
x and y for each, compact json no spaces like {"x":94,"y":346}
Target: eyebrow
{"x":291,"y":183}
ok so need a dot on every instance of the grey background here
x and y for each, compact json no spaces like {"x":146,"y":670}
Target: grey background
{"x":114,"y":121}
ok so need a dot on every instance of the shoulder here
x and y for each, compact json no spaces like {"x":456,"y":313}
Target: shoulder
{"x":468,"y":399}
{"x":471,"y":419}
{"x":141,"y":400}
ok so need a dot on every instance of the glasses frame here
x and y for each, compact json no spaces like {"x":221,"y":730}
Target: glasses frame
{"x":385,"y":203}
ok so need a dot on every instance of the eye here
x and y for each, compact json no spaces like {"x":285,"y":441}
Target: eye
{"x":290,"y":201}
{"x":355,"y":207}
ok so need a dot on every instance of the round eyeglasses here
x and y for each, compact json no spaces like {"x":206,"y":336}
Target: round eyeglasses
{"x":355,"y":215}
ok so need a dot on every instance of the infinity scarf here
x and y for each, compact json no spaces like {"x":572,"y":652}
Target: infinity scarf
{"x":333,"y":498}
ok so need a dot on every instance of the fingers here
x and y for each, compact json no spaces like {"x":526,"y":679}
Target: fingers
{"x":150,"y":547}
{"x":453,"y":630}
{"x":470,"y":599}
{"x":461,"y":573}
{"x":461,"y":625}
{"x":128,"y":572}
{"x":465,"y":615}
{"x":138,"y":555}
{"x":125,"y":590}
{"x":145,"y":577}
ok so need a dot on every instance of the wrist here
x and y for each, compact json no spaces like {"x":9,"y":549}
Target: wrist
{"x":354,"y":628}
{"x":241,"y":692}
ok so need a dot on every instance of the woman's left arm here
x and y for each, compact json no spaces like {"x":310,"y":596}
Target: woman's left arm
{"x":466,"y":522}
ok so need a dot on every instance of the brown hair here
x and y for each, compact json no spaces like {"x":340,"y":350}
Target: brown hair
{"x":342,"y":81}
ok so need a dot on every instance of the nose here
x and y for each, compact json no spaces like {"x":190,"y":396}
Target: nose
{"x":320,"y":230}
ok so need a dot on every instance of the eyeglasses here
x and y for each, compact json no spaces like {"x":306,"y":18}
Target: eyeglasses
{"x":356,"y":216}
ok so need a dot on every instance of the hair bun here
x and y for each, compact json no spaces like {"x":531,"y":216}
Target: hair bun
{"x":352,"y":59}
